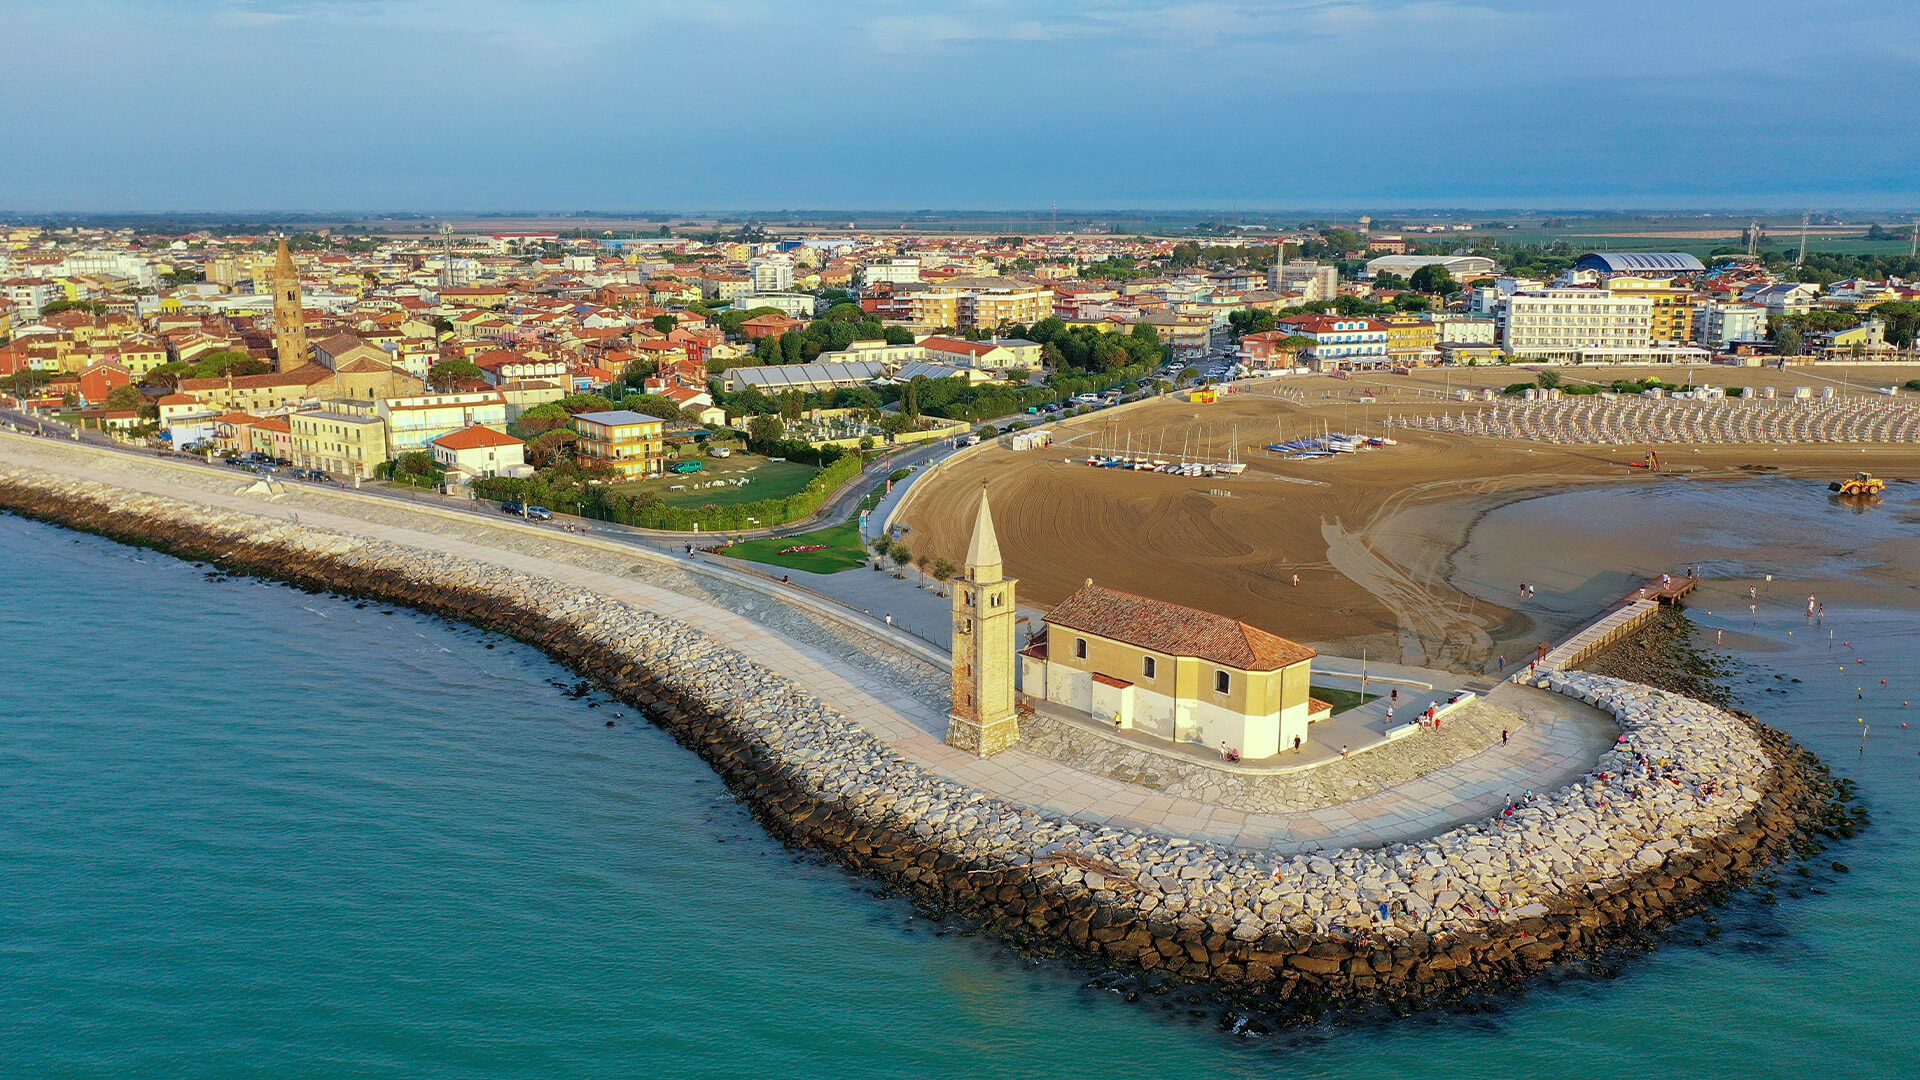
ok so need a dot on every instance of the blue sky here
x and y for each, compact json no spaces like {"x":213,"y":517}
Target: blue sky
{"x":633,"y":104}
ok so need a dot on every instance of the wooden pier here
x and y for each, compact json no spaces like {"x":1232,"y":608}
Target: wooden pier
{"x":1633,"y":611}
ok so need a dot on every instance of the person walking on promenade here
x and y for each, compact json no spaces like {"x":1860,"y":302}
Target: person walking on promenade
{"x":1504,"y":733}
{"x":1394,"y":697}
{"x":1389,"y":714}
{"x":889,"y":620}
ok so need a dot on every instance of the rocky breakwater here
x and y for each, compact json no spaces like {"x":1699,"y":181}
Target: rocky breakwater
{"x":1694,"y":800}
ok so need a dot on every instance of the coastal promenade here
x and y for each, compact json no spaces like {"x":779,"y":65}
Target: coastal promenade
{"x":891,"y":685}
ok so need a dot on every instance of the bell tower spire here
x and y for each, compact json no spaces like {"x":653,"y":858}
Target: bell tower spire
{"x":983,"y":719}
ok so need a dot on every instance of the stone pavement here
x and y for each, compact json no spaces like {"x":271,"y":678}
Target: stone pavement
{"x":1555,"y":741}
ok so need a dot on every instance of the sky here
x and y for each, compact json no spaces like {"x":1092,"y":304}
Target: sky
{"x":561,"y":105}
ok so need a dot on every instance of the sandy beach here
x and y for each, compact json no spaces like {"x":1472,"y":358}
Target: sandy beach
{"x":1375,"y":538}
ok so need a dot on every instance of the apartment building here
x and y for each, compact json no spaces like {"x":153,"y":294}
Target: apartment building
{"x":1672,"y":314}
{"x":414,"y":422}
{"x":1312,"y":280}
{"x":1561,"y":324}
{"x":1718,"y":324}
{"x":345,"y":438}
{"x":1339,"y":343}
{"x":628,"y":442}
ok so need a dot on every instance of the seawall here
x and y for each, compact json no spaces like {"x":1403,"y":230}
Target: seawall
{"x":1631,"y":846}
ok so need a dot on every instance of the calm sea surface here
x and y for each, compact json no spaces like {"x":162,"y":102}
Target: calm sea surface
{"x":246,"y":831}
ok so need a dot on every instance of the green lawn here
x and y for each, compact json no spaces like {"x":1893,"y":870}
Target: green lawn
{"x":843,"y":551}
{"x":770,"y":480}
{"x":1341,"y":700}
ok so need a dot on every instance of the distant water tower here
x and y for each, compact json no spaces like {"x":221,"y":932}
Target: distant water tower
{"x":1366,"y":224}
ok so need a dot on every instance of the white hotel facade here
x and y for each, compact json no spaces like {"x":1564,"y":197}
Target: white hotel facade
{"x":1577,"y":324}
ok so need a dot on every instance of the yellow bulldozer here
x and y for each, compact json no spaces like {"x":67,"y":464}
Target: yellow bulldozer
{"x":1862,"y":485}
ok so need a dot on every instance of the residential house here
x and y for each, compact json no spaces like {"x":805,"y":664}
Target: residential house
{"x":480,"y":450}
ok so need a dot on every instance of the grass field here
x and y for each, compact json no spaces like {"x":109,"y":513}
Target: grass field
{"x":770,"y":480}
{"x":844,"y":550}
{"x":1341,"y":700}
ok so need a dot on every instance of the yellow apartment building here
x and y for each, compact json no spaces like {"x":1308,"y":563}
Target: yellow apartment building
{"x":630,"y":442}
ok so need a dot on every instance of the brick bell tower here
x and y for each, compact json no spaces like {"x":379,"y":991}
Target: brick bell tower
{"x":289,"y":313}
{"x":983,"y":720}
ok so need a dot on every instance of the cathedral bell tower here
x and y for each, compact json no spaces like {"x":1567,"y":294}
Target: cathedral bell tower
{"x":289,"y":314}
{"x":983,"y":720}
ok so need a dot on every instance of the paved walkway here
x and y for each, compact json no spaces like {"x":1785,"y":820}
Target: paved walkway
{"x":1555,"y":740}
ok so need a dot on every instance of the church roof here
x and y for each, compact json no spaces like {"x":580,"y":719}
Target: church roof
{"x":1175,"y":630}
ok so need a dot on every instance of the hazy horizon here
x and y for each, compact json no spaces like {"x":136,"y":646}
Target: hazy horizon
{"x":389,"y":106}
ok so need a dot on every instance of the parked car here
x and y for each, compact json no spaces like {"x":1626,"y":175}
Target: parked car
{"x":539,"y":513}
{"x":514,"y":508}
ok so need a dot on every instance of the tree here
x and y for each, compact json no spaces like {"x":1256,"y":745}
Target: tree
{"x":552,"y":448}
{"x":897,"y":335}
{"x":91,"y":307}
{"x":882,"y":547}
{"x":1434,"y":279}
{"x":922,"y":562}
{"x":665,"y":323}
{"x":415,"y":463}
{"x":1787,"y":339}
{"x":168,"y":375}
{"x":766,"y":429}
{"x":448,"y":373}
{"x":653,"y":405}
{"x":125,"y":397}
{"x":584,"y":403}
{"x":1189,"y":374}
{"x":944,"y":569}
{"x":792,"y":405}
{"x":1548,"y":379}
{"x":900,"y":554}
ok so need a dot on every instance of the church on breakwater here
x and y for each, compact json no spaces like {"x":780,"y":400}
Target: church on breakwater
{"x":1135,"y":663}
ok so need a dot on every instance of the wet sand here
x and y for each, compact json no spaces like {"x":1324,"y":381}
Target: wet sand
{"x":1378,"y":538}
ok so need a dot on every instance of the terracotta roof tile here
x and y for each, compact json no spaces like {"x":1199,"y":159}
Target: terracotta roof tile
{"x":1174,"y":629}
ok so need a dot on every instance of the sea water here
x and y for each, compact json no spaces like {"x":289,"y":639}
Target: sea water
{"x":250,"y":831}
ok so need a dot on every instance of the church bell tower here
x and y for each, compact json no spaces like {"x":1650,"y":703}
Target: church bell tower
{"x":289,"y":314}
{"x":983,"y":719}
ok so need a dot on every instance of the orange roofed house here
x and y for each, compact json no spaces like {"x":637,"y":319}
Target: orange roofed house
{"x":1176,"y":672}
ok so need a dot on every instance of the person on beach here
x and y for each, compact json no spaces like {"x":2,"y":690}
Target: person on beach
{"x":1753,"y":592}
{"x":1344,"y":751}
{"x":1296,"y":581}
{"x":1503,"y":661}
{"x":1810,"y":605}
{"x":1503,"y":736}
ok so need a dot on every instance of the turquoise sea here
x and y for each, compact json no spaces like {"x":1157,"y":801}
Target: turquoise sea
{"x":249,"y":831}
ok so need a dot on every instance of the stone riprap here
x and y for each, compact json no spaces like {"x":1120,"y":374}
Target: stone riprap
{"x":1697,"y":800}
